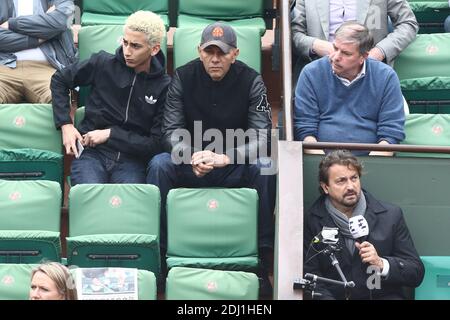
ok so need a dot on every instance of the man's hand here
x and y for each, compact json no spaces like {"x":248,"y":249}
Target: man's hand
{"x":96,"y":137}
{"x":204,"y":161}
{"x":382,"y":153}
{"x":369,"y":254}
{"x":312,"y":151}
{"x":376,"y":53}
{"x":5,"y":25}
{"x":70,"y":135}
{"x":322,"y":47}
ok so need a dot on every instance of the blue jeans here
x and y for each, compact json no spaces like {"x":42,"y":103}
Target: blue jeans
{"x":447,"y":24}
{"x":163,"y":173}
{"x":95,"y":166}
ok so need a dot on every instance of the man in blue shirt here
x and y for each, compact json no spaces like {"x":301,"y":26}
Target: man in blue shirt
{"x":348,"y":97}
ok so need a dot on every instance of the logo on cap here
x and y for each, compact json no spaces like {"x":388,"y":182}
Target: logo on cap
{"x":217,"y":32}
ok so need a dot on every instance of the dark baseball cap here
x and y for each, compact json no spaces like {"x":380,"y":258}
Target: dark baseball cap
{"x":219,"y":34}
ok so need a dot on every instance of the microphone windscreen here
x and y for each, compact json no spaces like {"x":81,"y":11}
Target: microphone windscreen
{"x":358,"y":226}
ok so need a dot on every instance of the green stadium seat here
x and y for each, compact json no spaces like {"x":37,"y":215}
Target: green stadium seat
{"x":186,"y":41}
{"x":146,"y":283}
{"x":430,"y":14}
{"x":29,"y":221}
{"x":212,"y":228}
{"x":426,"y":129}
{"x":424,"y":72}
{"x":30,"y":145}
{"x":206,"y":284}
{"x":114,"y":225}
{"x":15,"y":281}
{"x":436,"y":283}
{"x":200,"y":13}
{"x":98,"y":12}
{"x":92,"y":39}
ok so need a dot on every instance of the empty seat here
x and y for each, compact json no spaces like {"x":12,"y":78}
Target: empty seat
{"x":427,"y":129}
{"x":205,"y":284}
{"x":436,"y":283}
{"x":97,"y":12}
{"x":29,"y":221}
{"x":212,"y":228}
{"x":15,"y":281}
{"x":186,"y":41}
{"x":424,"y":72}
{"x":200,"y":13}
{"x":430,"y":14}
{"x":146,"y":282}
{"x":30,"y":145}
{"x":114,"y":225}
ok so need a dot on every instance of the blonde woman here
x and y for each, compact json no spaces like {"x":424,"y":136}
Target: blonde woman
{"x":52,"y":281}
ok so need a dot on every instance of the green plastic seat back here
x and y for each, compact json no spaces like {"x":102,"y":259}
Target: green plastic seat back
{"x":146,"y":283}
{"x":115,"y":225}
{"x":205,"y":284}
{"x":222,"y":10}
{"x":186,"y":41}
{"x":430,"y":14}
{"x":199,"y":13}
{"x":417,"y":185}
{"x":114,"y":208}
{"x":212,"y":223}
{"x":427,"y":129}
{"x":92,"y":39}
{"x":436,"y":283}
{"x":28,"y":126}
{"x":29,"y":221}
{"x":30,"y":205}
{"x":15,"y":281}
{"x":101,"y":12}
{"x":423,"y":69}
{"x":30,"y":145}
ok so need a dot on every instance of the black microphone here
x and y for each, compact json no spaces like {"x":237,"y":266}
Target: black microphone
{"x":359,"y":228}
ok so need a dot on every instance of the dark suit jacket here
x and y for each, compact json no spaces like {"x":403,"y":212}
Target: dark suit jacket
{"x":389,"y":235}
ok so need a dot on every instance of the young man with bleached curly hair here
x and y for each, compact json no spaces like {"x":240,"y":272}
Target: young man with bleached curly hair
{"x":121,"y":129}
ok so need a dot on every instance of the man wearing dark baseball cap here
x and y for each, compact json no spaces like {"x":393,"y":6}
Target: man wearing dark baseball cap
{"x":219,"y":34}
{"x":221,"y":94}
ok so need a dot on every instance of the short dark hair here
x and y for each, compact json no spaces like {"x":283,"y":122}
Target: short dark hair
{"x":356,"y":32}
{"x":340,"y":157}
